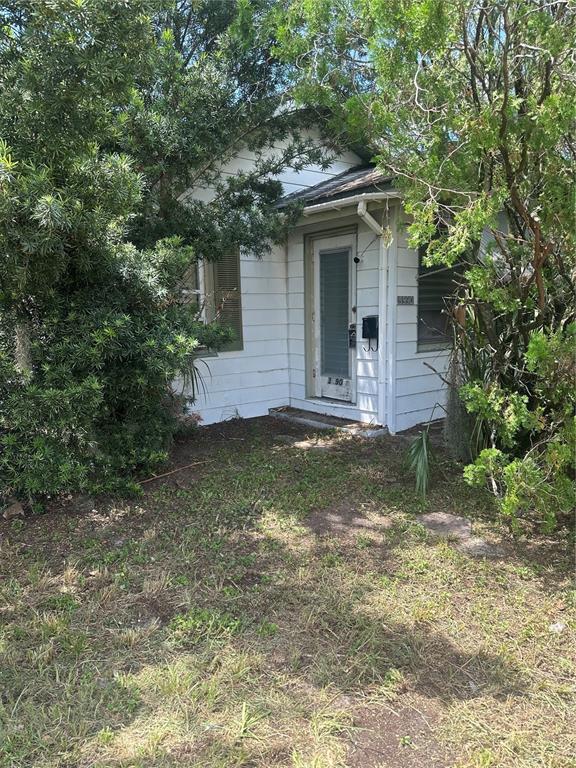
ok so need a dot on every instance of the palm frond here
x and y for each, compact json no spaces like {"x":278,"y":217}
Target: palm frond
{"x":420,"y":456}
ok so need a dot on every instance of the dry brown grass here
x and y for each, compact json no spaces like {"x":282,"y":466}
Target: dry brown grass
{"x":207,"y":625}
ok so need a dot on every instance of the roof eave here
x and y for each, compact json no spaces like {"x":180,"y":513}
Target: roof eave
{"x":344,"y":202}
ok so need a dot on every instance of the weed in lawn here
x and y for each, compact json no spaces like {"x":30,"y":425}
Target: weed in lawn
{"x":391,"y":686}
{"x":331,"y":559}
{"x":406,"y":741}
{"x":267,"y":629}
{"x":363,"y":542}
{"x":64,"y":602}
{"x":244,"y":726}
{"x":199,"y":624}
{"x":105,"y":736}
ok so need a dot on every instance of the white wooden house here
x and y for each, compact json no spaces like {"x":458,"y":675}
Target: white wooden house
{"x":300,"y":312}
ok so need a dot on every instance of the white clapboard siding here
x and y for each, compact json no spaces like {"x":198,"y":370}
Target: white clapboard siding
{"x":270,"y":369}
{"x":413,"y":385}
{"x":240,"y":396}
{"x":257,"y":334}
{"x":418,"y":388}
{"x":249,"y":382}
{"x":228,"y":381}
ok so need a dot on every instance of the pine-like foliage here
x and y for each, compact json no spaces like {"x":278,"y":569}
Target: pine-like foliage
{"x":108,"y":112}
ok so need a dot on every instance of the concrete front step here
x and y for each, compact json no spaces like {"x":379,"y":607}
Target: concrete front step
{"x":321,"y":421}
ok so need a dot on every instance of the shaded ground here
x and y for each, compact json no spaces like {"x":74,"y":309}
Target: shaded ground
{"x":278,"y":604}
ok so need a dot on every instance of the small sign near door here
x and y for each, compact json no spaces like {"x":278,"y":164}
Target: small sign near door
{"x":337,"y":388}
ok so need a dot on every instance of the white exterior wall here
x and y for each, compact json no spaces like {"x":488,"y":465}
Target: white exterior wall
{"x":270,"y":370}
{"x":418,"y":388}
{"x":366,"y":407}
{"x":249,"y":382}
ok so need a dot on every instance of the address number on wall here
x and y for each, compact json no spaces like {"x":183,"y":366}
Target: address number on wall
{"x":405,"y":299}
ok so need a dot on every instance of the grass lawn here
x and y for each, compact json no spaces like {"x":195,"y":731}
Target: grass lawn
{"x":280,"y":605}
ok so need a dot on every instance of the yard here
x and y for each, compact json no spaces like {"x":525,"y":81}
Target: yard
{"x":279,"y":604}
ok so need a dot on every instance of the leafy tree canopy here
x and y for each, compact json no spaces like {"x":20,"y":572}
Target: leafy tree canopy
{"x":216,"y":88}
{"x":471,"y":106}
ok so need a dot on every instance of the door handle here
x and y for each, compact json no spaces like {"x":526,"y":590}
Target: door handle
{"x":352,"y":336}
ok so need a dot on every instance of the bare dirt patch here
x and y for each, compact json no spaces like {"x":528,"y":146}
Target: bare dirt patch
{"x":346,"y":520}
{"x":399,"y":735}
{"x":151,"y":608}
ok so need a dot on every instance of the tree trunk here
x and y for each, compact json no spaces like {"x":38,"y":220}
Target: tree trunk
{"x":23,"y":355}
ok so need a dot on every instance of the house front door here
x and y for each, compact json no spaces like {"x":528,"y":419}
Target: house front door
{"x":333,"y":317}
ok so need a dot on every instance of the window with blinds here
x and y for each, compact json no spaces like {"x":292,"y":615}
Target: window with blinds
{"x":224,"y":296}
{"x":437,"y":286}
{"x":334,"y":311}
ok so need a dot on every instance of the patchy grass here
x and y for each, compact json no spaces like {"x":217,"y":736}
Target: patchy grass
{"x":277,"y":606}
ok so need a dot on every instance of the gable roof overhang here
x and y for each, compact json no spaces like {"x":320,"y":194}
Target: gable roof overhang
{"x":361,"y":184}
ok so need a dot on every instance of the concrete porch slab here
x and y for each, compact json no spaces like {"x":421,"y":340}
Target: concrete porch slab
{"x":321,"y":421}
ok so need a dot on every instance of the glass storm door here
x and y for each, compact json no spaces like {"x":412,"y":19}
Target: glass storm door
{"x":333,"y":316}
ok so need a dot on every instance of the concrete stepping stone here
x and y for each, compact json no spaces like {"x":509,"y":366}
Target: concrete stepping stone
{"x":446,"y":526}
{"x":478,"y":547}
{"x":443,"y":525}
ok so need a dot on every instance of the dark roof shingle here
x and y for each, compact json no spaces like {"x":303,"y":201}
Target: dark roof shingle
{"x":356,"y":181}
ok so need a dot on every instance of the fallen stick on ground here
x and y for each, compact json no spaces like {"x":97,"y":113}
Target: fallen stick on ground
{"x":178,"y":469}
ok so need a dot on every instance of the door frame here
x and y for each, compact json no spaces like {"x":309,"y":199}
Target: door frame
{"x":326,"y":241}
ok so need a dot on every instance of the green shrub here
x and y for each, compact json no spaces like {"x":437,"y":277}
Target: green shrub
{"x":109,"y":112}
{"x":96,"y":403}
{"x":531,"y":462}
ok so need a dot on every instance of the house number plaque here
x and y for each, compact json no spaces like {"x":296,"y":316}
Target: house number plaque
{"x":405,"y":299}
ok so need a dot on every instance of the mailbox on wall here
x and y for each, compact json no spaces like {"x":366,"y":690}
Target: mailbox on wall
{"x":370,"y":331}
